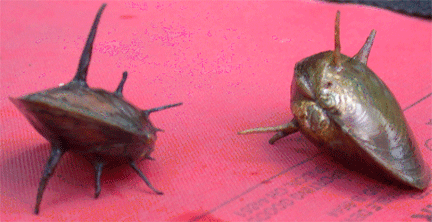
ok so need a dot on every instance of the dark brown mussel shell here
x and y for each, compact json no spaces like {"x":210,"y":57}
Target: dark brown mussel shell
{"x":97,"y":124}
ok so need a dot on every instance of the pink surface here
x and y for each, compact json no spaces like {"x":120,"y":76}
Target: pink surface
{"x":231,"y":64}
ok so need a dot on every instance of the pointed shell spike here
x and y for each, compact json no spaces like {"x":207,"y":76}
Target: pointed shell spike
{"x":84,"y":63}
{"x":264,"y":129}
{"x":98,"y":172}
{"x":55,"y":156}
{"x":363,"y":54}
{"x":119,"y":89}
{"x":337,"y":52}
{"x":144,"y":178}
{"x":282,"y":130}
{"x":147,"y":112}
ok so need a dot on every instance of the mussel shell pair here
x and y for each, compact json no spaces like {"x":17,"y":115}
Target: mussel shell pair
{"x":337,"y":101}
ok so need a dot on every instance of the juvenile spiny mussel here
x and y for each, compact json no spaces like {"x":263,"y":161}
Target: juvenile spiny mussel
{"x":99,"y":125}
{"x":340,"y":104}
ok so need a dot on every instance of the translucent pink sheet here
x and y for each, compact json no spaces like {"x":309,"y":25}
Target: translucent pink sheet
{"x":231,"y":64}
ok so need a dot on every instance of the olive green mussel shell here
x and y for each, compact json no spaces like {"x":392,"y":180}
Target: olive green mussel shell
{"x":340,"y":104}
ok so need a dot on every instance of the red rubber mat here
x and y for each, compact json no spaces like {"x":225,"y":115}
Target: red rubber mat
{"x":231,"y":64}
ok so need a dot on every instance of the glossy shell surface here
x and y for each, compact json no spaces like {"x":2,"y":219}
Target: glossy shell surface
{"x":91,"y":121}
{"x":340,"y":104}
